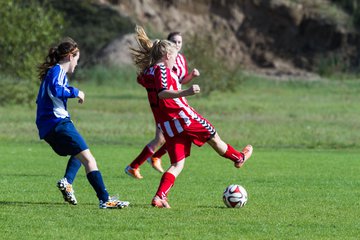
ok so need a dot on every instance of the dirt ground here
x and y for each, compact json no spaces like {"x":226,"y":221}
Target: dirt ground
{"x":277,"y":38}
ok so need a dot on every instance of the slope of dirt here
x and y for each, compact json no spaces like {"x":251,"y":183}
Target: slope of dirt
{"x":275,"y":37}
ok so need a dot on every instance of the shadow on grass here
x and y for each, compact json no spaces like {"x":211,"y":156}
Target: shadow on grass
{"x":26,"y":175}
{"x":37,"y":203}
{"x":212,"y":207}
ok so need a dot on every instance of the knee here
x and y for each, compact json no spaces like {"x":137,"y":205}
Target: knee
{"x":86,"y":157}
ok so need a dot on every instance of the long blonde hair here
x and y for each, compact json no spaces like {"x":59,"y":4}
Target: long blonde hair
{"x":149,"y":53}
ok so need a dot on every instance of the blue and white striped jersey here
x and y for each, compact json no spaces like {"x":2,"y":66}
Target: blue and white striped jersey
{"x":52,"y":100}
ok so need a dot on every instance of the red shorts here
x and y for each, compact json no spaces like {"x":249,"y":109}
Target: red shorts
{"x":179,"y":146}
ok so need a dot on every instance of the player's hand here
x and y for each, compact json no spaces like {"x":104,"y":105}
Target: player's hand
{"x":194,"y":89}
{"x":195,"y":72}
{"x":81,"y":97}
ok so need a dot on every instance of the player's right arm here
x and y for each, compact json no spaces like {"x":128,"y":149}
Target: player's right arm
{"x":165,"y":85}
{"x":194,"y":89}
{"x":57,"y":86}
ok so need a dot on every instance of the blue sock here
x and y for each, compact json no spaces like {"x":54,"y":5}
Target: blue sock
{"x":71,"y":169}
{"x":97,"y":183}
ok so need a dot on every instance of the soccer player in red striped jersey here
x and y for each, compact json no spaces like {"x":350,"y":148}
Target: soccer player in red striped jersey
{"x":180,"y":124}
{"x":181,"y":70}
{"x":183,"y":76}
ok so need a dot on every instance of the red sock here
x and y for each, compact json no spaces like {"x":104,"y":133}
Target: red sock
{"x":159,"y":153}
{"x":166,"y":182}
{"x":146,"y":153}
{"x":232,"y":154}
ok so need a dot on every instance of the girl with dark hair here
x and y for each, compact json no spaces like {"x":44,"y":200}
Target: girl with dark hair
{"x":56,"y":128}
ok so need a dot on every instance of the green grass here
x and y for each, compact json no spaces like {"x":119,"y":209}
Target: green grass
{"x":302,"y":180}
{"x":293,"y":194}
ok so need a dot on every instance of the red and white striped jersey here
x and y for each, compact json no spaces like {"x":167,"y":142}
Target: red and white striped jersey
{"x":174,"y":115}
{"x":180,"y":67}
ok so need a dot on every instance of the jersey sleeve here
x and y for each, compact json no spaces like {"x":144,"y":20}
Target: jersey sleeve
{"x":59,"y":87}
{"x":186,"y":70}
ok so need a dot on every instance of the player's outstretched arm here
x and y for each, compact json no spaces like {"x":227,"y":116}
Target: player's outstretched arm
{"x":194,"y":89}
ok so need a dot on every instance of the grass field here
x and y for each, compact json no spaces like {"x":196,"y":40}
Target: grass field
{"x":303,"y":179}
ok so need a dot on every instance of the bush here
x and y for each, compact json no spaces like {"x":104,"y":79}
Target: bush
{"x":352,"y":7}
{"x":91,"y":25}
{"x":215,"y":72}
{"x":27,"y":30}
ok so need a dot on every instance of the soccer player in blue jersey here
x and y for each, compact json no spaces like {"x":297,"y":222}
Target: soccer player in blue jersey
{"x":57,"y":129}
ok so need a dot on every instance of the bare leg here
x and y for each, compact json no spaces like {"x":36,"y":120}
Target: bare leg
{"x":176,"y":168}
{"x":88,"y":160}
{"x":158,"y":141}
{"x":218,"y":145}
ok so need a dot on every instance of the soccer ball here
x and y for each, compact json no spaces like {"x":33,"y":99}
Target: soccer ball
{"x":235,"y":196}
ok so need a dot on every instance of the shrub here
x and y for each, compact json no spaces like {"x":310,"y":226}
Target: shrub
{"x":27,"y":30}
{"x":91,"y":25}
{"x":215,"y":72}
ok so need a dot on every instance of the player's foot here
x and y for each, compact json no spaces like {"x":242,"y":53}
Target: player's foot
{"x":159,"y":203}
{"x":112,"y":203}
{"x":156,"y":163}
{"x":247,"y":151}
{"x":133,"y":172}
{"x":67,"y":191}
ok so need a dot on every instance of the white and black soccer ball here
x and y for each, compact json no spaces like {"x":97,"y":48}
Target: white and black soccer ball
{"x":235,"y":196}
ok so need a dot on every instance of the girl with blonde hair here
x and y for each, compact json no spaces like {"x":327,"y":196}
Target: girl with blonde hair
{"x":179,"y":123}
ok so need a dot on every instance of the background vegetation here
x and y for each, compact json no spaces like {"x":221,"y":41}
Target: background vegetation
{"x":23,"y":23}
{"x":27,"y":30}
{"x":353,"y":8}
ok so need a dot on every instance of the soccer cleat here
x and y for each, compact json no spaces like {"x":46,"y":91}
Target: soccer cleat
{"x":246,"y":152}
{"x":67,"y":191}
{"x":133,"y":172}
{"x":156,"y":163}
{"x":113,"y":203}
{"x":159,"y":203}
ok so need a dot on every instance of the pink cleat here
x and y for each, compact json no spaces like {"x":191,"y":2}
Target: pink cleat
{"x":156,"y":163}
{"x":133,"y":172}
{"x":159,"y":203}
{"x":247,"y":151}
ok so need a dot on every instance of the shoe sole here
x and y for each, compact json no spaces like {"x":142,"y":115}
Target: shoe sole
{"x":121,"y":206}
{"x":63,"y":192}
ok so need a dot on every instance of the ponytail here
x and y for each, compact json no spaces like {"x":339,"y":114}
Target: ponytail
{"x":149,"y":53}
{"x":67,"y":47}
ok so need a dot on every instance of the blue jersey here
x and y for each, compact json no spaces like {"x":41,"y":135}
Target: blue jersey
{"x":52,"y":100}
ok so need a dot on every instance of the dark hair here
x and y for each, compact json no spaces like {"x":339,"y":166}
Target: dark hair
{"x":172,"y":34}
{"x":65,"y":48}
